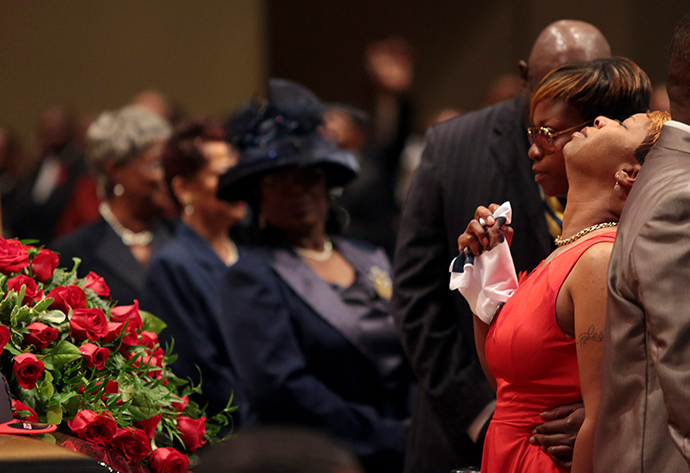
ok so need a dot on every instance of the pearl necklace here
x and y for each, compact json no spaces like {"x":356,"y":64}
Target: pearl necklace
{"x":233,"y":254}
{"x":316,"y":255}
{"x":128,"y":237}
{"x":564,"y":241}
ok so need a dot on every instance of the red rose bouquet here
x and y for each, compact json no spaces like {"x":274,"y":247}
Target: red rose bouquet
{"x":73,"y":357}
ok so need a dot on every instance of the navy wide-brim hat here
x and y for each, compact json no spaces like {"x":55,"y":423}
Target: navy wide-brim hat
{"x":282,"y":132}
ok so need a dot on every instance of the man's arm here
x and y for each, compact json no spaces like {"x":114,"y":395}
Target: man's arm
{"x":661,"y":262}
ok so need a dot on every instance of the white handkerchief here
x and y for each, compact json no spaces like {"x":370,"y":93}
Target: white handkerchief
{"x":488,"y":280}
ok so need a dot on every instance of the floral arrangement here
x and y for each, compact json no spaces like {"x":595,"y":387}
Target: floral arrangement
{"x":71,"y":356}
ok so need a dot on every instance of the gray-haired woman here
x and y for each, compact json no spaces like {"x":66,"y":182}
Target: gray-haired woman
{"x":124,"y":150}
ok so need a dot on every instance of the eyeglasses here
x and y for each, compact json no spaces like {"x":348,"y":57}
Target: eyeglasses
{"x":306,"y":177}
{"x":544,"y":137}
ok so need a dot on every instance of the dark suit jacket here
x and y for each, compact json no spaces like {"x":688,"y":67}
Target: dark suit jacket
{"x":477,"y":159}
{"x":644,"y":416}
{"x":303,"y":358}
{"x":182,"y":289}
{"x":102,"y":251}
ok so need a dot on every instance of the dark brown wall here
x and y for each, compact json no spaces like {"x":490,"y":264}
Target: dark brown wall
{"x":94,"y":55}
{"x":461,"y":45}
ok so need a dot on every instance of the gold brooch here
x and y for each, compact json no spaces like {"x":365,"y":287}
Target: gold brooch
{"x":382,"y":282}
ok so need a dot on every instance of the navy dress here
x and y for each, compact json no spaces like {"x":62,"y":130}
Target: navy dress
{"x":311,"y":354}
{"x":182,"y":289}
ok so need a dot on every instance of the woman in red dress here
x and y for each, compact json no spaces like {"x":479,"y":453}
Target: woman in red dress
{"x":543,"y":349}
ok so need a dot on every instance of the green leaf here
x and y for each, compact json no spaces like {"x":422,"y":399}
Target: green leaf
{"x":63,"y":353}
{"x":54,"y":316}
{"x":54,"y":415}
{"x":151,"y":322}
{"x":10,"y":348}
{"x":43,"y":304}
{"x":46,"y":387}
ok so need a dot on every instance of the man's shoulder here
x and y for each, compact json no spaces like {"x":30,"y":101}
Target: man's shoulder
{"x":506,"y":114}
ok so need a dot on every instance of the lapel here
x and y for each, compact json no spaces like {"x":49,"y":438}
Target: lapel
{"x":509,"y":148}
{"x":318,"y":294}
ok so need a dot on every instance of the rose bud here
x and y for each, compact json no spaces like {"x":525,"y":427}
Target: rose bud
{"x":88,"y":323}
{"x":4,"y":337}
{"x":129,"y":314}
{"x":18,"y":407}
{"x":168,"y":460}
{"x":40,"y":335}
{"x":192,"y":432}
{"x":148,"y":339}
{"x":31,"y":293}
{"x":97,"y":284}
{"x":149,"y":425}
{"x":94,"y":355}
{"x":13,"y":256}
{"x":43,"y":265}
{"x":182,"y":404}
{"x":66,"y":297}
{"x":27,"y":369}
{"x":133,"y":443}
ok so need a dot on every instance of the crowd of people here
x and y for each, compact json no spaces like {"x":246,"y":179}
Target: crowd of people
{"x":265,"y":245}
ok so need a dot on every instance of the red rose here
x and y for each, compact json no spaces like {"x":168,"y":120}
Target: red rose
{"x":149,"y":359}
{"x":4,"y":337}
{"x":31,"y":293}
{"x":19,"y":406}
{"x":134,"y":443}
{"x":182,"y":405}
{"x":13,"y":256}
{"x":40,"y":335}
{"x":88,"y":323}
{"x":66,"y":297}
{"x":28,"y":369}
{"x":149,"y":425}
{"x":129,"y":314}
{"x":129,"y":339}
{"x":192,"y":432}
{"x":94,"y":355}
{"x":96,"y":284}
{"x":96,"y":428}
{"x":148,"y":339}
{"x":43,"y":265}
{"x":168,"y":460}
{"x":112,"y":387}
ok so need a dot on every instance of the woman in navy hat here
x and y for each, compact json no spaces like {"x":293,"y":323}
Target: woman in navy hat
{"x":306,"y":314}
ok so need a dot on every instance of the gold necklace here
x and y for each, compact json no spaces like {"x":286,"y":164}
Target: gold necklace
{"x":316,"y":255}
{"x":564,"y":241}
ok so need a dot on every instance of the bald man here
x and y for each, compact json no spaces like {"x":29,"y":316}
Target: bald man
{"x":644,"y":414}
{"x":469,"y":161}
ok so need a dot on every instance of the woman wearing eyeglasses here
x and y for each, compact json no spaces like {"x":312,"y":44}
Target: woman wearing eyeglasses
{"x":306,"y":314}
{"x":543,"y":348}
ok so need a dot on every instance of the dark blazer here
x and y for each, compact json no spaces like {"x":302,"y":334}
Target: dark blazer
{"x":182,"y":289}
{"x":644,"y":415}
{"x":303,"y":358}
{"x":477,"y":159}
{"x":101,"y":250}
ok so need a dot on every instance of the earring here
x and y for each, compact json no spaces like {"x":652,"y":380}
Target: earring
{"x":188,"y":207}
{"x":616,"y":186}
{"x":118,"y":189}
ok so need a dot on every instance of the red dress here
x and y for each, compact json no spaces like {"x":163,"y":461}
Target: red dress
{"x":535,"y":366}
